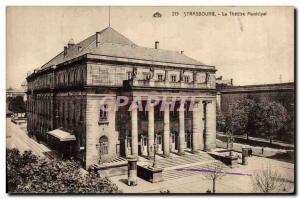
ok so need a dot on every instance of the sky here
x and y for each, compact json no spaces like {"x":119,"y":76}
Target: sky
{"x":249,"y":49}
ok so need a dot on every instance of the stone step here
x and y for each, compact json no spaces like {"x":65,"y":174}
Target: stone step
{"x":175,"y":174}
{"x":182,"y":160}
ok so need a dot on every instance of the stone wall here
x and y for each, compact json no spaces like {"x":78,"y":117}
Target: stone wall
{"x":96,"y":129}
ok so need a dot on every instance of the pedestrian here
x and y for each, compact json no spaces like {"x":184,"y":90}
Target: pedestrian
{"x":262,"y":150}
{"x":250,"y":152}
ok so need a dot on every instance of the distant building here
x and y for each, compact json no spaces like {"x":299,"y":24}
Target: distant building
{"x":11,"y":93}
{"x":283,"y":93}
{"x":65,"y":107}
{"x":220,"y":82}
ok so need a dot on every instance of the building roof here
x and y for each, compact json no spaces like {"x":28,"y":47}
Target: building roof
{"x":290,"y":86}
{"x":112,"y":43}
{"x":62,"y":135}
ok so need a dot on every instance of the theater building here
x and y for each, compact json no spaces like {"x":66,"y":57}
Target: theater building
{"x":66,"y":109}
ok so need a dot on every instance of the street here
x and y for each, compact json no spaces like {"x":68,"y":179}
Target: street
{"x":16,"y":137}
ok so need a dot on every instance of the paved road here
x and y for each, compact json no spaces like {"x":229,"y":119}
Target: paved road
{"x":262,"y":140}
{"x":16,"y":137}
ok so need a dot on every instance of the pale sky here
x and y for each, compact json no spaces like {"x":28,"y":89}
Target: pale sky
{"x":249,"y":49}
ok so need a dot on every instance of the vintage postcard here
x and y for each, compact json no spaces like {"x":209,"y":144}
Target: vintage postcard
{"x":150,"y":100}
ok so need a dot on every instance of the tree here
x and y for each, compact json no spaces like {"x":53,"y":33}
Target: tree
{"x":28,"y":174}
{"x":268,"y":180}
{"x":269,"y":118}
{"x":214,"y":175}
{"x":221,"y":125}
{"x":17,"y":105}
{"x":238,"y":120}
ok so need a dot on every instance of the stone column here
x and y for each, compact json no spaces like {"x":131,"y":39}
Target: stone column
{"x":210,"y":125}
{"x":181,"y":133}
{"x":151,"y":131}
{"x":167,"y":130}
{"x":196,"y":129}
{"x":134,"y":131}
{"x":201,"y":127}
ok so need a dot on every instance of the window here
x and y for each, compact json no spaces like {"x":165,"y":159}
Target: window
{"x":173,"y":78}
{"x":63,"y":111}
{"x":129,"y":75}
{"x":80,"y":113}
{"x":74,"y":114}
{"x":186,"y":79}
{"x":103,"y":113}
{"x":146,"y":76}
{"x":103,"y":141}
{"x":160,"y":77}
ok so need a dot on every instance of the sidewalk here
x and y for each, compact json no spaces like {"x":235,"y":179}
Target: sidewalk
{"x":16,"y":137}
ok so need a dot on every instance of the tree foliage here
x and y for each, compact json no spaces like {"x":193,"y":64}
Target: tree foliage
{"x":257,"y":117}
{"x":269,"y":118}
{"x":28,"y":174}
{"x":240,"y":116}
{"x":17,"y":105}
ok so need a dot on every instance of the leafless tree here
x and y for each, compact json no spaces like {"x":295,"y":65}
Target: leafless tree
{"x":269,"y":180}
{"x":214,"y":174}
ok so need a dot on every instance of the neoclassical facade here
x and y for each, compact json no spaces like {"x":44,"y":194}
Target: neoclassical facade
{"x":67,"y":110}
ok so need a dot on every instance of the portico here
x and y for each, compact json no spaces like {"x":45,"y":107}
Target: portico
{"x":192,"y":130}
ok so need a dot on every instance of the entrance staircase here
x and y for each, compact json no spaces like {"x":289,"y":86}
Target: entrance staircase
{"x":182,"y":166}
{"x":193,"y":170}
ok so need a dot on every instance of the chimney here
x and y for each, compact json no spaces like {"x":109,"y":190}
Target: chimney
{"x":156,"y":44}
{"x":71,"y":43}
{"x":181,"y":52}
{"x":65,"y":51}
{"x":97,"y":39}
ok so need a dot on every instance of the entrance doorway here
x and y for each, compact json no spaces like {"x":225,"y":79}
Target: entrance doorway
{"x":128,"y":146}
{"x":188,"y":139}
{"x":159,"y":142}
{"x":144,"y":145}
{"x":174,"y":141}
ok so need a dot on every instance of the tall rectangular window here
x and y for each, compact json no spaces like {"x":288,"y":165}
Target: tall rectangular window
{"x":129,"y":75}
{"x":159,"y":77}
{"x":146,"y":76}
{"x":186,"y":79}
{"x":103,"y":112}
{"x":173,"y":78}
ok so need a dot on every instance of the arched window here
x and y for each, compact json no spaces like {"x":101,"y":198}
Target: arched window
{"x":103,"y":141}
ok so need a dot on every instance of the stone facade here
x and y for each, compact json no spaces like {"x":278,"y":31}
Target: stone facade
{"x":73,"y":90}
